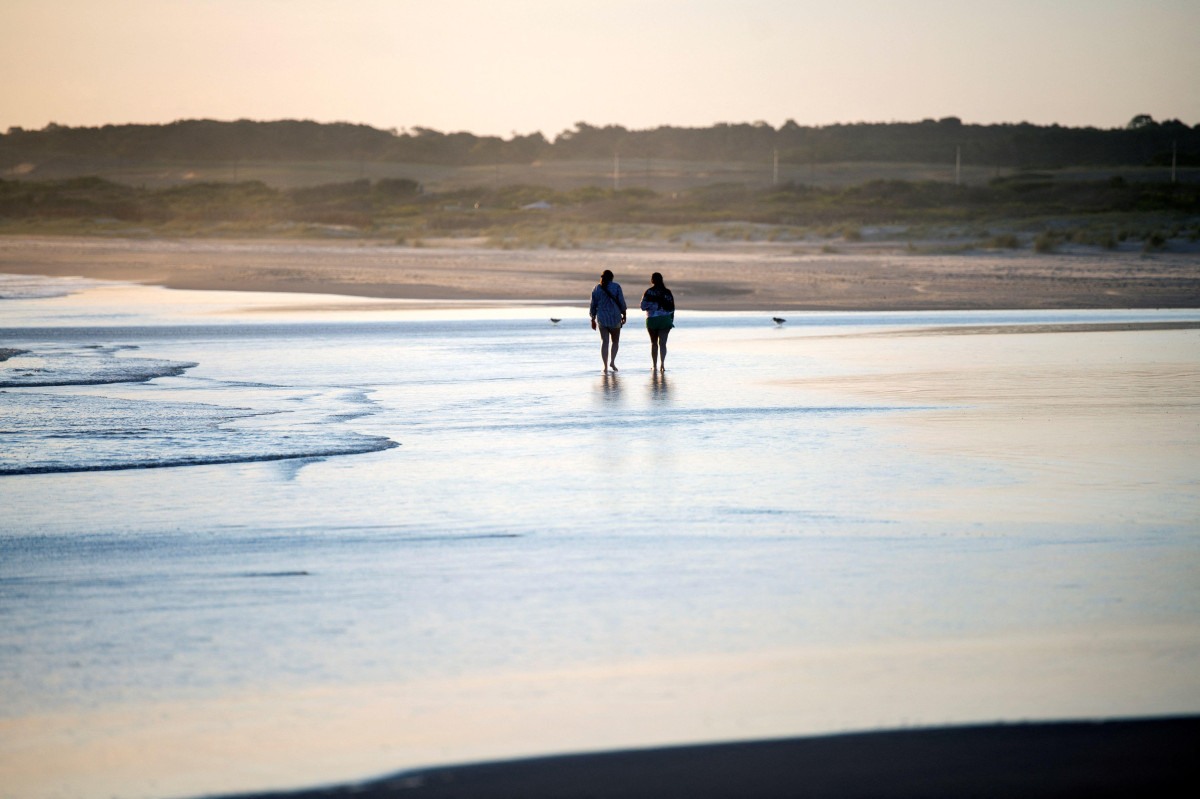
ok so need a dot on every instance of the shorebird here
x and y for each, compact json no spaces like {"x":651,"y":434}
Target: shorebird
{"x":778,"y":320}
{"x":555,"y":321}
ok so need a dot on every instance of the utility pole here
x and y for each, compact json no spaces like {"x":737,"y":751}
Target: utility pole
{"x":958,"y":165}
{"x":775,"y":168}
{"x":616,"y":171}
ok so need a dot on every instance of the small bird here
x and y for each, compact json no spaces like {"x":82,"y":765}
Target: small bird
{"x":778,"y":320}
{"x":555,"y":321}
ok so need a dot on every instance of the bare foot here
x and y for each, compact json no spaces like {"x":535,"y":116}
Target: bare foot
{"x":613,"y":366}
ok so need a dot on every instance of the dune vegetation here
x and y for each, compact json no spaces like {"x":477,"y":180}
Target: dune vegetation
{"x":997,"y":186}
{"x":1038,"y":210}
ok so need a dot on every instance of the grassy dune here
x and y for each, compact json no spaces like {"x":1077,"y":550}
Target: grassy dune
{"x":577,"y":204}
{"x":659,"y":175}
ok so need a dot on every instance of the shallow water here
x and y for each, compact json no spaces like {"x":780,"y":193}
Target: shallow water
{"x":408,"y":537}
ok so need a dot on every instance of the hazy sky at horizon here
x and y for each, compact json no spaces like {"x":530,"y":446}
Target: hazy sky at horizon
{"x":517,"y":66}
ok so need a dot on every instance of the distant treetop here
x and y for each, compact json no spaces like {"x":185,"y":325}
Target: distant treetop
{"x":1141,"y":141}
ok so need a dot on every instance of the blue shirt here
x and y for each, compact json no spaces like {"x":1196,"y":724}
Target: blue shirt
{"x":603,"y":308}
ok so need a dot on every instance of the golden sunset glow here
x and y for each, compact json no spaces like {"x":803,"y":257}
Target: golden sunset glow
{"x":498,"y":68}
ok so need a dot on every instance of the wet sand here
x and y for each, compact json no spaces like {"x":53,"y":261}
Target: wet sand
{"x":717,"y":277}
{"x":1114,"y":758}
{"x":1119,"y":758}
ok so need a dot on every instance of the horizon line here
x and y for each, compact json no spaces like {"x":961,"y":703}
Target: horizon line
{"x":415,"y":130}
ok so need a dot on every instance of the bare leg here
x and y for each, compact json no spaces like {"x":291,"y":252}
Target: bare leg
{"x":662,"y":348}
{"x":616,"y":344}
{"x":653,"y":350}
{"x":604,"y":346}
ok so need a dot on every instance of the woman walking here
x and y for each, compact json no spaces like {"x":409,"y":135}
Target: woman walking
{"x":608,"y":314}
{"x":659,"y":304}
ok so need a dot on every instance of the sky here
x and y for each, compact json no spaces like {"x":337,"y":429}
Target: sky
{"x":507,"y":67}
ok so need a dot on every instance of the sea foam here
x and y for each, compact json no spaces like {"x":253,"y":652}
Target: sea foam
{"x":79,"y":431}
{"x":79,"y":365}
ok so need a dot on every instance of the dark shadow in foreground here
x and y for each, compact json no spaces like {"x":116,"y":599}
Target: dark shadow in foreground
{"x":1153,"y":757}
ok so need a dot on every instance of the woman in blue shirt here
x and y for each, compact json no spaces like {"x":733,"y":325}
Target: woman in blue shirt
{"x":608,"y":310}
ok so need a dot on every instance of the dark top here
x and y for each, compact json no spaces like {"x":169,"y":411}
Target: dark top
{"x":662,"y":300}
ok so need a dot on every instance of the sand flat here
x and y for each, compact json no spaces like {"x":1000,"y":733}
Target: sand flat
{"x":715,"y":277}
{"x":1024,"y":761}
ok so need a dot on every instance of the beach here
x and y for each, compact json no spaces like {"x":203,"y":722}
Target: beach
{"x":715,"y":276}
{"x":1127,"y":758}
{"x":374,"y":513}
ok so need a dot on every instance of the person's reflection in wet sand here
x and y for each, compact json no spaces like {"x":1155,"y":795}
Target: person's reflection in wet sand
{"x":609,"y":387}
{"x":659,"y":387}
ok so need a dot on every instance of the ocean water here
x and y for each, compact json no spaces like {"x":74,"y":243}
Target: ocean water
{"x":251,"y":544}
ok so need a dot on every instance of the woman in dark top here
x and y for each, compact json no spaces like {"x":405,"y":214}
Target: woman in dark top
{"x":659,"y":304}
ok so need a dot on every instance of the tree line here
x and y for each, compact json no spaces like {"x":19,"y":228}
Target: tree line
{"x":1142,"y":142}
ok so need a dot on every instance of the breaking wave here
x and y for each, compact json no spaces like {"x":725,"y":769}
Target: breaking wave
{"x":73,"y":431}
{"x":81,"y":365}
{"x":43,"y":433}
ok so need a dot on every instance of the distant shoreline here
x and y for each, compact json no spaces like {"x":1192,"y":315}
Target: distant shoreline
{"x":1145,"y":757}
{"x":715,"y":277}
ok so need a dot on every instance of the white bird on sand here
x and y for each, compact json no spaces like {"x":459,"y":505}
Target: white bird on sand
{"x":555,"y":321}
{"x":778,"y":320}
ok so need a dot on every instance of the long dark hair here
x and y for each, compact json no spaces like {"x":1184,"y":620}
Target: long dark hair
{"x":606,"y":277}
{"x":659,"y":294}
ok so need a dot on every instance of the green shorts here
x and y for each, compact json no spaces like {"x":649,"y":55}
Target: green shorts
{"x":662,"y":322}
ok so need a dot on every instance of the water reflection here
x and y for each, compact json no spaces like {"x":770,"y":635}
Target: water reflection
{"x":659,"y":387}
{"x":609,"y":387}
